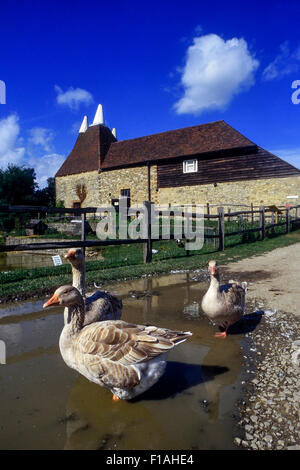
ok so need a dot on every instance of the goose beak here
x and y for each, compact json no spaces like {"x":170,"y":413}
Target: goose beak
{"x":213,"y":270}
{"x":53,"y":301}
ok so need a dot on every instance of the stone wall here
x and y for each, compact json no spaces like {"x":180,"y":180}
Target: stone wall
{"x":66,"y":188}
{"x":35,"y":239}
{"x":103,"y":187}
{"x":259,"y":192}
{"x":135,"y":179}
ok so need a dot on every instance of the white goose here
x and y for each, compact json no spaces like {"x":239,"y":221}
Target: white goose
{"x":101,"y":305}
{"x":126,"y":358}
{"x":224,"y":305}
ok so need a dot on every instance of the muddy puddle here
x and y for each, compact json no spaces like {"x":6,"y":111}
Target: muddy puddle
{"x":46,"y":405}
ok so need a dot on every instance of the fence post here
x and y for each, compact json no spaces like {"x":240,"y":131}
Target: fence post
{"x":241,"y":221}
{"x":207,"y":208}
{"x":187,"y":252}
{"x":252,"y":214}
{"x":214,"y":239}
{"x":262,"y":222}
{"x":83,"y":232}
{"x":221,"y":229}
{"x":273,"y":221}
{"x":287,"y":220}
{"x":228,"y":210}
{"x":147,"y":247}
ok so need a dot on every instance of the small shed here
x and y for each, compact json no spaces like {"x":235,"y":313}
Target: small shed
{"x":35,"y":227}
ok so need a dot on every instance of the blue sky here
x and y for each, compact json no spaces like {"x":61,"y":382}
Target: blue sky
{"x":154,"y":66}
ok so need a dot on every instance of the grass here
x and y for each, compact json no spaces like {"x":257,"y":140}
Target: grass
{"x":125,"y":262}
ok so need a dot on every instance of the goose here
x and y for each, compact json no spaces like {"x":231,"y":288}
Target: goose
{"x":101,"y":305}
{"x":124,"y":357}
{"x":224,"y":305}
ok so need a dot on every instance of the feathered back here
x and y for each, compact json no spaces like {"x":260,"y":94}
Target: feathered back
{"x":111,"y":350}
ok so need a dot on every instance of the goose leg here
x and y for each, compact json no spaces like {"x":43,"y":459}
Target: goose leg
{"x":222,"y":334}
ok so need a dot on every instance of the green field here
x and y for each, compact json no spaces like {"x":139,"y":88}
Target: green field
{"x":125,"y":262}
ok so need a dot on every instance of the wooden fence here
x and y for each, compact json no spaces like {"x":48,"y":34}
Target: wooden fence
{"x":289,"y":216}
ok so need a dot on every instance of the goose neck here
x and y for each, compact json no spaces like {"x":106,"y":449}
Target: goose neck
{"x":78,"y":275}
{"x":214,"y":281}
{"x":76,"y":315}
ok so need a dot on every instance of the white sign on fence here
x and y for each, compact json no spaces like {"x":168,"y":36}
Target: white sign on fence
{"x":57,"y":260}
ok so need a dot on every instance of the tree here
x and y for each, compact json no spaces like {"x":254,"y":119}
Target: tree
{"x":46,"y":196}
{"x":17,"y":185}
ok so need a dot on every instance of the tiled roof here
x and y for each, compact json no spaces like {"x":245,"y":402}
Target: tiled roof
{"x":88,"y":151}
{"x":204,"y":138}
{"x":97,"y":147}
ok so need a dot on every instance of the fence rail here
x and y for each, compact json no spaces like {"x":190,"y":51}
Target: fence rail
{"x":219,"y":232}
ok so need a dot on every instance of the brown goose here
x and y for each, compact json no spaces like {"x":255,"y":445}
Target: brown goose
{"x":126,"y":358}
{"x":224,"y":305}
{"x":99,"y":306}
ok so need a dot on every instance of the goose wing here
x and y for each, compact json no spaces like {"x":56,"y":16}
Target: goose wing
{"x":110,"y":350}
{"x":103,"y":306}
{"x":234,"y":296}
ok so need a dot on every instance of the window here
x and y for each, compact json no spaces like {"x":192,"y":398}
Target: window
{"x":125,"y":192}
{"x":190,"y":166}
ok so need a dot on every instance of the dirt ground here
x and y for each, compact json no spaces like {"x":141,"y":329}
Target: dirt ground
{"x":273,"y":277}
{"x":270,"y":409}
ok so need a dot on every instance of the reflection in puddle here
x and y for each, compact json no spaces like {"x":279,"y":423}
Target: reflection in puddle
{"x":46,"y":405}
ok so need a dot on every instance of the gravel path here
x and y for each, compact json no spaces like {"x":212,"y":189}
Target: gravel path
{"x":270,"y":410}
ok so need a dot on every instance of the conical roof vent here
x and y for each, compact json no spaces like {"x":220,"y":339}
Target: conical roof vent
{"x":84,"y":125}
{"x":99,"y":117}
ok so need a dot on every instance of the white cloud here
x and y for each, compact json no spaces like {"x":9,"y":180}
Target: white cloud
{"x":290,"y":155}
{"x":11,"y":150}
{"x":73,"y":97}
{"x":42,"y":137}
{"x":285,"y":63}
{"x":214,"y":72}
{"x":46,"y":166}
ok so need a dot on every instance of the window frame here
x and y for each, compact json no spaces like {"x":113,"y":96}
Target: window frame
{"x":195,"y":162}
{"x":128,"y":193}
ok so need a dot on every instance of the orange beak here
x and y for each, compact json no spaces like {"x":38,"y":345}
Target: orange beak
{"x":71,"y":254}
{"x":53,"y":301}
{"x":213,"y":270}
